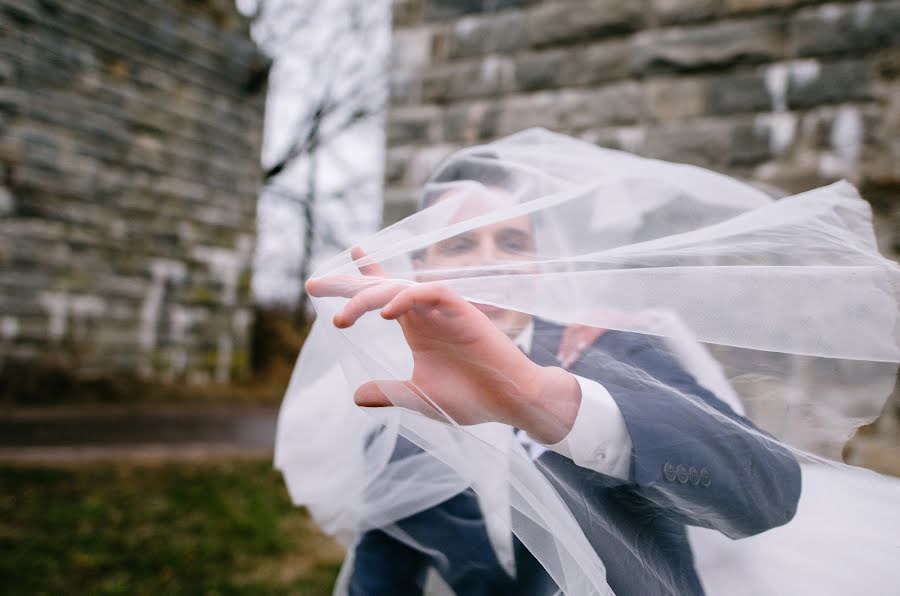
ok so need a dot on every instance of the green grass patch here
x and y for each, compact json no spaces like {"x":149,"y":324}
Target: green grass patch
{"x":215,"y":528}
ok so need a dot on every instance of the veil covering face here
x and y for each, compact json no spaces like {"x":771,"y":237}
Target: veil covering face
{"x":743,"y":340}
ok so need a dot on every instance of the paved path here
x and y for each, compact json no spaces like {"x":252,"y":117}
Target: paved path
{"x":159,"y":433}
{"x":55,"y":435}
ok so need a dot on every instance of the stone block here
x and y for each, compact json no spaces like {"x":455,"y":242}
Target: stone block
{"x":731,"y":7}
{"x":717,"y":45}
{"x":25,"y":12}
{"x":834,"y":83}
{"x":404,"y":88}
{"x":887,"y":64}
{"x":436,"y":10}
{"x":405,"y":13}
{"x":395,"y":164}
{"x":413,"y":124}
{"x":702,"y":142}
{"x":423,"y":161}
{"x":672,"y":12}
{"x":468,"y":123}
{"x":880,"y":159}
{"x":675,"y":98}
{"x":749,"y":144}
{"x":538,"y":71}
{"x":613,"y":105}
{"x":7,"y":71}
{"x":852,"y":28}
{"x":501,"y":33}
{"x":410,"y":49}
{"x":577,"y":21}
{"x":781,"y":129}
{"x":623,"y":138}
{"x":40,"y":149}
{"x":547,"y":109}
{"x":12,"y":101}
{"x":490,"y":76}
{"x":731,"y":94}
{"x":595,"y":63}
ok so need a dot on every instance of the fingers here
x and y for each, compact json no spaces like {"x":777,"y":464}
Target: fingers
{"x":357,"y":253}
{"x":370,"y":395}
{"x":422,"y":296}
{"x":366,"y":300}
{"x":367,"y":294}
{"x":381,"y":394}
{"x":400,"y":394}
{"x":394,"y":297}
{"x":344,"y":286}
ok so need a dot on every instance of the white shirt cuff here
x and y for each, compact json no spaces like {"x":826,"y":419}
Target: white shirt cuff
{"x":599,"y":439}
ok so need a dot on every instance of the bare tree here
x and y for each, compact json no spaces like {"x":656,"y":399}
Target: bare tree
{"x":344,"y":87}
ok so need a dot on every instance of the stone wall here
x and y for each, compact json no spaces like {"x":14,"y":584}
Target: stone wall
{"x":791,"y":93}
{"x":129,"y":167}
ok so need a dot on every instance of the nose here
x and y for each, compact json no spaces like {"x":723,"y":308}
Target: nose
{"x":487,"y":252}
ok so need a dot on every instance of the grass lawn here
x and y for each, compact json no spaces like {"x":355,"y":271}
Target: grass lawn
{"x":214,"y":528}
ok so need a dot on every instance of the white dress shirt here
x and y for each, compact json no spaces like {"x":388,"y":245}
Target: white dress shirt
{"x":599,"y":439}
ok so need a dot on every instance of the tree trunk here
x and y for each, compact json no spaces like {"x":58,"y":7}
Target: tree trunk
{"x":308,"y":233}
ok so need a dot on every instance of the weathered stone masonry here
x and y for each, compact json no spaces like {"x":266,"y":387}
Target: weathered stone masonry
{"x":129,"y":167}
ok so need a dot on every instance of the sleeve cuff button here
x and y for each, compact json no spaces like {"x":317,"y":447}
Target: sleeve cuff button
{"x":669,"y":471}
{"x":694,"y":475}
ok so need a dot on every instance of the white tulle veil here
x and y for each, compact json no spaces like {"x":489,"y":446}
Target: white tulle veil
{"x":783,"y":309}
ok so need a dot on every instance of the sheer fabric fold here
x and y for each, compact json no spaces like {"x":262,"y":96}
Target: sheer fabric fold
{"x":743,"y":339}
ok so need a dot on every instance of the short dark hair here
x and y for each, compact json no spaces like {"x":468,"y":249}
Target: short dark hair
{"x":482,"y":166}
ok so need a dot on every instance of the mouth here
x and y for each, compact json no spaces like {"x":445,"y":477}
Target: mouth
{"x":488,"y":309}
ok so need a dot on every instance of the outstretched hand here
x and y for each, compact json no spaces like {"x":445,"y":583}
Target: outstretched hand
{"x":463,"y":365}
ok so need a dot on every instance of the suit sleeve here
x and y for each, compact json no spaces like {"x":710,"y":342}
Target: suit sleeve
{"x":693,"y":459}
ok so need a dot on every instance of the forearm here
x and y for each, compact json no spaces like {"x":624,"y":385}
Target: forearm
{"x":548,"y":410}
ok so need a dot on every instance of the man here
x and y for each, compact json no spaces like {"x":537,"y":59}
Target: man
{"x":647,"y":461}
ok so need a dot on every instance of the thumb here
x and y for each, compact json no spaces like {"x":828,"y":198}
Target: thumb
{"x":402,"y":394}
{"x":374,"y":394}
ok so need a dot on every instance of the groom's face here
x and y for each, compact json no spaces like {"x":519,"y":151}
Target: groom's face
{"x":497,"y":244}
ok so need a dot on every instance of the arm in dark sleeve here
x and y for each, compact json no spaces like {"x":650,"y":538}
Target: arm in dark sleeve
{"x":693,"y":458}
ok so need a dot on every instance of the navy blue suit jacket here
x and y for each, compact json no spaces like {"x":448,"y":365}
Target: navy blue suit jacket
{"x":688,"y":467}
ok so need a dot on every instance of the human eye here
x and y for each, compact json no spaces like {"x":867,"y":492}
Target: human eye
{"x":514,"y":242}
{"x":456,"y":245}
